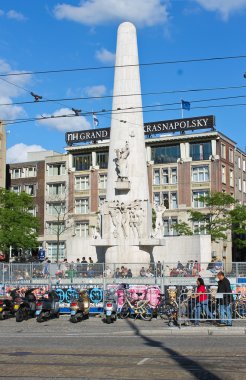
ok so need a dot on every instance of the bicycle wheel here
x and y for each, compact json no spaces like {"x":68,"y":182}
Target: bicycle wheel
{"x":124,"y":313}
{"x":146,"y":313}
{"x":240,"y":309}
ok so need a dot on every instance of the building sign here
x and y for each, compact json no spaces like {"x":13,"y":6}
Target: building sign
{"x":157,"y":127}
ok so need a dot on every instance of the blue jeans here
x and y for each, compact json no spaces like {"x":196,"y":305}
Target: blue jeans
{"x":202,"y":306}
{"x":225,"y":314}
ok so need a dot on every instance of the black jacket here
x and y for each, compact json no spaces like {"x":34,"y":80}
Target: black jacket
{"x":224,"y":286}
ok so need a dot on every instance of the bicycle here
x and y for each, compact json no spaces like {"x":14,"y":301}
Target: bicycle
{"x":140,"y":308}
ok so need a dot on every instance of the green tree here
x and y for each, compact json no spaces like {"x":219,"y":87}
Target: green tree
{"x":238,"y":217}
{"x":18,"y":227}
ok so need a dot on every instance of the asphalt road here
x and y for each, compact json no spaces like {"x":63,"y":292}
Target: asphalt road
{"x":127,"y":349}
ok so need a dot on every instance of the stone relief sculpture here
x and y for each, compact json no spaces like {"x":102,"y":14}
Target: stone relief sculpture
{"x":121,"y":162}
{"x":159,"y":225}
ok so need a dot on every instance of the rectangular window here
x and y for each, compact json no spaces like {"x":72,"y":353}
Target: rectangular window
{"x":52,"y":251}
{"x":174,"y":200}
{"x":16,"y":173}
{"x":231,"y":158}
{"x":157,"y":199}
{"x":16,"y":189}
{"x":199,"y":203}
{"x":82,"y":229}
{"x":30,"y":189}
{"x":33,"y":211}
{"x":82,"y":206}
{"x":103,"y":181}
{"x":165,"y":176}
{"x":169,"y":224}
{"x":56,"y":208}
{"x":56,"y":188}
{"x":56,"y":169}
{"x":223,"y":151}
{"x":200,"y":151}
{"x":82,"y":161}
{"x":200,"y":173}
{"x":231,"y":178}
{"x":223,"y":174}
{"x":174,"y":178}
{"x":165,"y":154}
{"x":244,"y":186}
{"x":239,"y":162}
{"x":244,"y":165}
{"x":30,"y":172}
{"x":53,"y":228}
{"x":102,"y":160}
{"x":239,"y":184}
{"x":199,"y":228}
{"x":157,"y":177}
{"x":165,"y":200}
{"x":81,"y":183}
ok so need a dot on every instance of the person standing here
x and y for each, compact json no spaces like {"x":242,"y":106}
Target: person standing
{"x":201,"y":301}
{"x":224,"y":288}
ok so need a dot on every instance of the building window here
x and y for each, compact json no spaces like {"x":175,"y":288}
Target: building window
{"x":82,"y":229}
{"x":52,"y":251}
{"x":16,"y":173}
{"x":165,"y":154}
{"x":16,"y":189}
{"x":174,"y":178}
{"x":82,"y":206}
{"x":56,"y":188}
{"x":244,"y":165}
{"x":157,"y":177}
{"x":33,"y":211}
{"x":165,"y":176}
{"x":56,"y":169}
{"x":103,"y":181}
{"x":223,"y":151}
{"x":200,"y":151}
{"x":81,"y":183}
{"x":157,"y":199}
{"x":231,"y":158}
{"x":231,"y":178}
{"x":30,"y":172}
{"x":174,"y":201}
{"x":169,"y":200}
{"x":165,"y":200}
{"x":56,"y":208}
{"x":239,"y":184}
{"x":102,"y":160}
{"x":82,"y":161}
{"x":30,"y":189}
{"x":239,"y":162}
{"x":223,"y":174}
{"x":169,"y":226}
{"x":200,"y":228}
{"x":199,"y":203}
{"x":200,"y":173}
{"x":244,"y":186}
{"x":54,"y":228}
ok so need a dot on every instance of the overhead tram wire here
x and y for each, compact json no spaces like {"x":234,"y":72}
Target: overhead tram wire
{"x":146,"y":64}
{"x":119,"y":96}
{"x":10,"y":122}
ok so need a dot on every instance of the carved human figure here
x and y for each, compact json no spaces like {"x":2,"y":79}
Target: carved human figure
{"x":124,"y":219}
{"x":159,"y":225}
{"x":121,"y":161}
{"x":114,"y":212}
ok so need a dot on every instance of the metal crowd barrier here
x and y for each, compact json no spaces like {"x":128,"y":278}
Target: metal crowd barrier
{"x":211,"y":307}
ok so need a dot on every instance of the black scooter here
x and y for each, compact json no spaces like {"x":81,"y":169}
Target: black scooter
{"x":9,"y":305}
{"x":48,"y":306}
{"x":27,"y":306}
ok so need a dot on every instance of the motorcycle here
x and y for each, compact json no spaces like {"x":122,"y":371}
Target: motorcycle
{"x":48,"y":306}
{"x":111,"y":305}
{"x":26,"y":307}
{"x":9,"y":305}
{"x":80,"y":307}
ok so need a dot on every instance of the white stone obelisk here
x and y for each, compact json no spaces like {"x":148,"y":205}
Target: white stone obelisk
{"x":126,"y":214}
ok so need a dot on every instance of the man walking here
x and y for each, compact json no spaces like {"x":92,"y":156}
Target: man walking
{"x":224,"y":287}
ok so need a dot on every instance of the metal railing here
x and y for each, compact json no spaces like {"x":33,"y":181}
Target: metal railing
{"x":211,"y":307}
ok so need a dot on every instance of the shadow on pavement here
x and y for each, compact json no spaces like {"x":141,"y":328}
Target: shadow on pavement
{"x":189,"y":365}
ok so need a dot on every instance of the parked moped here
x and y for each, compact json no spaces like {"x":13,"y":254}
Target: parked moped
{"x":80,"y":307}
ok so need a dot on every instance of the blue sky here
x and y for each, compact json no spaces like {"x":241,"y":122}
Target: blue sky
{"x":48,"y":35}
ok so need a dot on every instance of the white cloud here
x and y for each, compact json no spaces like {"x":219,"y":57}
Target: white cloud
{"x":9,"y":91}
{"x":105,"y":56}
{"x":1,"y":12}
{"x":18,"y":16}
{"x":98,"y":12}
{"x":99,"y":90}
{"x":224,"y":7}
{"x":63,"y":124}
{"x":18,"y":152}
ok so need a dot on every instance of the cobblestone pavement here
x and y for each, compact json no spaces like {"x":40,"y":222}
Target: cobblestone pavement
{"x":127,"y":349}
